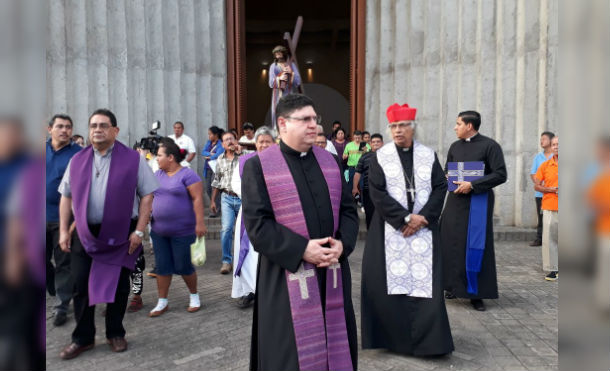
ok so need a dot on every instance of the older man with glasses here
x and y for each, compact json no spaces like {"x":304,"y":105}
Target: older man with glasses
{"x":109,"y":186}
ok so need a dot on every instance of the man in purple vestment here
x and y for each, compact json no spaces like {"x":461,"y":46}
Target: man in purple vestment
{"x":109,"y":187}
{"x":301,"y":219}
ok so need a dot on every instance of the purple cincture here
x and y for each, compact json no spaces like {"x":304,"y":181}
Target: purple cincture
{"x":109,"y":251}
{"x":320,"y":345}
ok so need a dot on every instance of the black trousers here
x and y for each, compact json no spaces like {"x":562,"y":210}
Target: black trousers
{"x":84,"y":333}
{"x":59,"y":278}
{"x":369,"y":207}
{"x":539,"y":210}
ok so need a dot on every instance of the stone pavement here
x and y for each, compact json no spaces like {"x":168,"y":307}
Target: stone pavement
{"x":517,"y":332}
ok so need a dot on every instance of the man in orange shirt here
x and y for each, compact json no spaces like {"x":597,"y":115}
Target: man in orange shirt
{"x":547,"y":182}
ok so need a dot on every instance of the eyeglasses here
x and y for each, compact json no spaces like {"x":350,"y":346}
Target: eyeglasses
{"x":101,"y":125}
{"x":402,"y":125}
{"x":306,"y":119}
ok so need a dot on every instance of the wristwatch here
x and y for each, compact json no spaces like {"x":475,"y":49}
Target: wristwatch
{"x":139,"y":233}
{"x":407,"y":219}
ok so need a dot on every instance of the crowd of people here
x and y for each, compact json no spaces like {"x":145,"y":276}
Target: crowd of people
{"x":286,"y":237}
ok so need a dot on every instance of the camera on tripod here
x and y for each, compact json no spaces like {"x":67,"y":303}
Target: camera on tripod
{"x":151,"y":142}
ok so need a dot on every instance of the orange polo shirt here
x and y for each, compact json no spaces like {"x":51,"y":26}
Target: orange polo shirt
{"x":599,"y":195}
{"x":548,"y":173}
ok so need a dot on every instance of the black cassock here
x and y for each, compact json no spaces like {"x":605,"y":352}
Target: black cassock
{"x":273,"y":344}
{"x":454,"y":221}
{"x":399,"y":323}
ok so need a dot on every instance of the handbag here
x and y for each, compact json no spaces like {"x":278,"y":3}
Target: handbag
{"x":198,"y":254}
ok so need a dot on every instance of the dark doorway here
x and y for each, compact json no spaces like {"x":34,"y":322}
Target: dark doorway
{"x":330,"y":55}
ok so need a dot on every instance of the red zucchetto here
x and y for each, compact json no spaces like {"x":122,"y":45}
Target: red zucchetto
{"x":400,"y":113}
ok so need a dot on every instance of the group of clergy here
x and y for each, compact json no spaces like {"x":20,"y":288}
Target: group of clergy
{"x":301,"y":218}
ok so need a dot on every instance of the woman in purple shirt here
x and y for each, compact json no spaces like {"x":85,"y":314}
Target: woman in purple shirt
{"x":177,"y":220}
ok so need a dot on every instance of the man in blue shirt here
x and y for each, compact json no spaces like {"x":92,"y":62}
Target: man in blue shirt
{"x":546,"y":154}
{"x":60,"y":149}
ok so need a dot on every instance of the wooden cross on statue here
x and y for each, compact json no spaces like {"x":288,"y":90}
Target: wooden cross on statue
{"x":292,"y":45}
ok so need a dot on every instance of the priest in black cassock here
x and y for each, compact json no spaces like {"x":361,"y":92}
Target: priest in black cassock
{"x":455,"y":226}
{"x":313,"y":239}
{"x":403,"y":308}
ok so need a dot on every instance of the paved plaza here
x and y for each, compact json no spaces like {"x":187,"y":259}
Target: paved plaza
{"x":517,"y":332}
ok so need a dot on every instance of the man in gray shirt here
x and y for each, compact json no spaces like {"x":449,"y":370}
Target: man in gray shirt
{"x":95,"y":278}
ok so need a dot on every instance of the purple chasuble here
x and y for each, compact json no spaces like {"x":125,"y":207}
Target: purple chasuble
{"x":109,"y":250}
{"x":244,"y":241}
{"x":320,"y":345}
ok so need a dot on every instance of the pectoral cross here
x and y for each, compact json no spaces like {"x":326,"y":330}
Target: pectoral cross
{"x":302,"y":274}
{"x":334,"y":267}
{"x":411,"y":191}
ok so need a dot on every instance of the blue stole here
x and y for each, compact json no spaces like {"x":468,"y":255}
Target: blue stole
{"x":475,"y":242}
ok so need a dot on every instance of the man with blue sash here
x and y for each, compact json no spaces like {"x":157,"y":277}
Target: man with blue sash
{"x":469,"y":264}
{"x":403,"y":308}
{"x":109,"y":187}
{"x":300,"y":218}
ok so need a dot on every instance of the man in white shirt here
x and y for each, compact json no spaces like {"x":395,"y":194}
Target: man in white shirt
{"x":184,"y":142}
{"x":330,"y":147}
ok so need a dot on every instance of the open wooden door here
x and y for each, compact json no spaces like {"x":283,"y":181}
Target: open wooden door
{"x":236,"y":63}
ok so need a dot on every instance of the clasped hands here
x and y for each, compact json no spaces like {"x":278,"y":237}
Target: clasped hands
{"x":322,"y":256}
{"x":416,"y":223}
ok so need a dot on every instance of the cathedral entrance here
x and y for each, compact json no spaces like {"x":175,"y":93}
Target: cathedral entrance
{"x":329,"y":54}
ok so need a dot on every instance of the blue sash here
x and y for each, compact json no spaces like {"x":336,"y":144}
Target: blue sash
{"x":475,"y":242}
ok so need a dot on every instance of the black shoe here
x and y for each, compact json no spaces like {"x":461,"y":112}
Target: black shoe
{"x":246,"y":300}
{"x":449,"y":295}
{"x":536,"y":242}
{"x":60,"y":319}
{"x":478,"y":304}
{"x":552,"y":276}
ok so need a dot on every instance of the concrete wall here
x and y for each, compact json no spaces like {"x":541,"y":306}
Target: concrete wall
{"x":499,"y":58}
{"x":146,"y":60}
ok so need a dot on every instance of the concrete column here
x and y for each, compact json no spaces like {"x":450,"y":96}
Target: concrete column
{"x":117,"y":69}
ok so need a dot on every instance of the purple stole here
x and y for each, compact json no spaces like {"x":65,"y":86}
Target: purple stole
{"x":244,"y":241}
{"x":109,"y":250}
{"x":320,"y":346}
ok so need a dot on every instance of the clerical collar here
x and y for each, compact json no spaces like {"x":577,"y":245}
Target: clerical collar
{"x":108,"y":151}
{"x":403,"y":149}
{"x":291,"y":151}
{"x":469,"y":139}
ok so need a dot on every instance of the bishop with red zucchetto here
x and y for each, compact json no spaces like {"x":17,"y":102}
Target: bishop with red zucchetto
{"x":403,"y":307}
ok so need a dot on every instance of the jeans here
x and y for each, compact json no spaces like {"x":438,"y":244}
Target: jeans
{"x":229,"y":207}
{"x":352,"y":171}
{"x":59,"y":277}
{"x":209,"y":177}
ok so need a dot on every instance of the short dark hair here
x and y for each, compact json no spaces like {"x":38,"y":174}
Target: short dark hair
{"x":321,"y":135}
{"x":471,"y":117}
{"x":61,"y":116}
{"x":179,"y":123}
{"x":77,"y":136}
{"x":377,"y":135}
{"x":292,"y":102}
{"x":548,"y":134}
{"x":365,"y":133}
{"x":222,"y":137}
{"x":172,"y":149}
{"x":104,"y":112}
{"x":248,"y":125}
{"x":357,"y":132}
{"x":336,"y":122}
